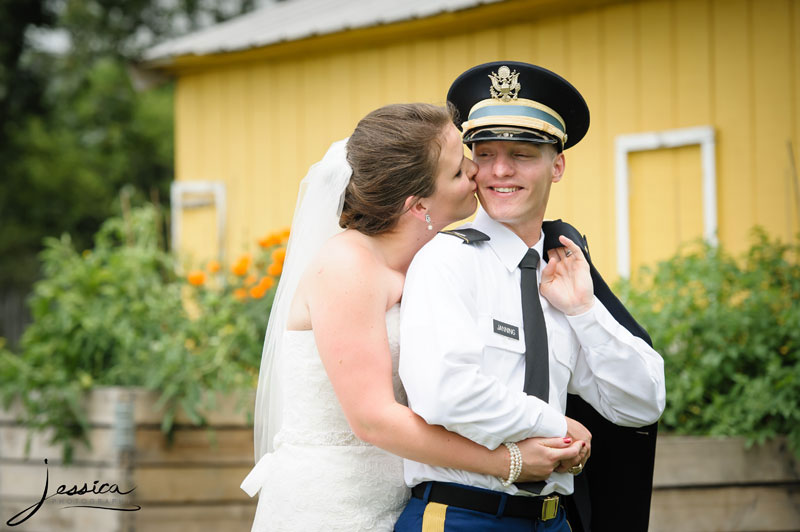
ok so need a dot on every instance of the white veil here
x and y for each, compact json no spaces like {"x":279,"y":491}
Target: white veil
{"x":316,"y":219}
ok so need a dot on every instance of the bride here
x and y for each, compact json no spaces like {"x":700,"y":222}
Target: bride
{"x":331,"y":423}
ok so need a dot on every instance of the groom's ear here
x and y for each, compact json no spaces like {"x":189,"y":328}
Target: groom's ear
{"x":559,"y":165}
{"x":415,"y":205}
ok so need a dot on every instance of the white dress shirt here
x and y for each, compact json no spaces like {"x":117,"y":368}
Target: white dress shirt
{"x":458,"y":372}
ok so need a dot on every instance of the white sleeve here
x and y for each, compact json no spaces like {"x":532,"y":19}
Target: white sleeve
{"x":441,"y":352}
{"x":619,"y":374}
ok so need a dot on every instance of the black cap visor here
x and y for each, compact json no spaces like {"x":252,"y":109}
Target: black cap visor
{"x":509,"y":133}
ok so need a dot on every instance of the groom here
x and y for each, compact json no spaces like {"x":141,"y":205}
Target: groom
{"x":502,"y":319}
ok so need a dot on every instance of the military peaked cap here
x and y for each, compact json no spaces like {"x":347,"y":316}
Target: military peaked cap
{"x":509,"y":100}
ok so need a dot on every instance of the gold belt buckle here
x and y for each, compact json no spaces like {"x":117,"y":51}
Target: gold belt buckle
{"x":549,"y":507}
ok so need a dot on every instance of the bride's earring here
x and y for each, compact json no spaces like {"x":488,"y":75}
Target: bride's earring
{"x":428,"y":220}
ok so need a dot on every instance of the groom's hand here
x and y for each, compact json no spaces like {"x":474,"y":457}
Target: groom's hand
{"x":541,"y":456}
{"x":566,"y":282}
{"x":580,"y":434}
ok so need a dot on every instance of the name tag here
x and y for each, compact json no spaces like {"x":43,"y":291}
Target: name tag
{"x":505,"y":329}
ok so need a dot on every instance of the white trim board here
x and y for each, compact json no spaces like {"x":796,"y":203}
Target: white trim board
{"x":655,"y":140}
{"x":178,"y":191}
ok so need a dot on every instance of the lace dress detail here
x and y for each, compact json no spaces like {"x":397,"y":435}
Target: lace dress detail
{"x":320,"y":476}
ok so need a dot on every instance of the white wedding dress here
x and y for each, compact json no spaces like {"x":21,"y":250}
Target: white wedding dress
{"x":320,"y":476}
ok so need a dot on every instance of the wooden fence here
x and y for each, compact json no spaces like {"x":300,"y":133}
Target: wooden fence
{"x":192,"y":485}
{"x":14,"y":315}
{"x":701,"y":484}
{"x":706,"y":484}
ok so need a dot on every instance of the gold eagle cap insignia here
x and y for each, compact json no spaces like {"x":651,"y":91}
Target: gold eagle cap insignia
{"x":505,"y":84}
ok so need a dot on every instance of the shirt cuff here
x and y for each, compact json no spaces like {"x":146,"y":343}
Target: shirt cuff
{"x":552,"y":423}
{"x":589,"y":327}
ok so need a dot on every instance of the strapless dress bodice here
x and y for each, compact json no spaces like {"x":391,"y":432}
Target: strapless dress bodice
{"x":311,"y":411}
{"x":320,"y":476}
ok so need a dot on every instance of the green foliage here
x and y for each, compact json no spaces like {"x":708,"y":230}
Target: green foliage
{"x":125,"y":27}
{"x":120,"y":315}
{"x":729,"y":331}
{"x":71,"y":163}
{"x":73,"y":131}
{"x":20,"y":86}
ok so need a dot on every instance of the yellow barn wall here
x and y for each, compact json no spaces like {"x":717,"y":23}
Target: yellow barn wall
{"x":258,"y":124}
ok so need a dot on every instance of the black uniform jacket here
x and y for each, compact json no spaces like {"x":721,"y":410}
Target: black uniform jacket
{"x":613,"y":491}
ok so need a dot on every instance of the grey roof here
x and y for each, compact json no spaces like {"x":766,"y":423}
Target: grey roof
{"x":297,"y":19}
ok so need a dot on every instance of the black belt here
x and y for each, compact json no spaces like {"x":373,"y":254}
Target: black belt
{"x":544,"y":508}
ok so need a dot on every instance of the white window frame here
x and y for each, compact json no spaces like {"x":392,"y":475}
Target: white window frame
{"x":178,"y":192}
{"x":656,"y":140}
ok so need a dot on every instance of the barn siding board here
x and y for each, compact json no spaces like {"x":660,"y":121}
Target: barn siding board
{"x":642,"y":66}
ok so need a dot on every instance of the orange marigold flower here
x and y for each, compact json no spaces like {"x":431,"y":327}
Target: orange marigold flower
{"x":240,"y":268}
{"x":242,"y":265}
{"x":275,"y":269}
{"x":240,"y":293}
{"x":251,"y":279}
{"x":257,"y":292}
{"x":270,"y":240}
{"x":279,"y":255}
{"x":212,"y":266}
{"x":285,"y":234}
{"x":196,"y":277}
{"x":266,"y":282}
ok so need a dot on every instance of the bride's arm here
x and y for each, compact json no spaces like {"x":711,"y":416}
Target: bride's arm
{"x":347,"y":301}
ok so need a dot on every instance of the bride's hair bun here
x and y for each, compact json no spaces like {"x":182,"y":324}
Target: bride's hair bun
{"x":394,"y":152}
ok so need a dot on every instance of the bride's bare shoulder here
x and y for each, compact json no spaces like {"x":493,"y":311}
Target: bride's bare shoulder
{"x":349,"y":253}
{"x":348,"y":272}
{"x":345,"y":264}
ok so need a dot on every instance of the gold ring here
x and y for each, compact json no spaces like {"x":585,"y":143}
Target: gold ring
{"x":575,"y":470}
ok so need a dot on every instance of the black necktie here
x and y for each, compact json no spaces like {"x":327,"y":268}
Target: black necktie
{"x":537,"y":369}
{"x":537,"y":366}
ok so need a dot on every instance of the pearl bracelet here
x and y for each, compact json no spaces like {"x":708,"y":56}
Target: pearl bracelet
{"x":515,"y":464}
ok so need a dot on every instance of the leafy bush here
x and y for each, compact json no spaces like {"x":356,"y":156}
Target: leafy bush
{"x":120,"y":315}
{"x":729,"y":331}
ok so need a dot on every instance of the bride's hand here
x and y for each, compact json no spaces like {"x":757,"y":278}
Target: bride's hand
{"x":541,"y":456}
{"x":578,"y":432}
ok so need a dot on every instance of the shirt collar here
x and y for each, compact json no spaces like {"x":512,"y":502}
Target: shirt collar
{"x":507,"y":246}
